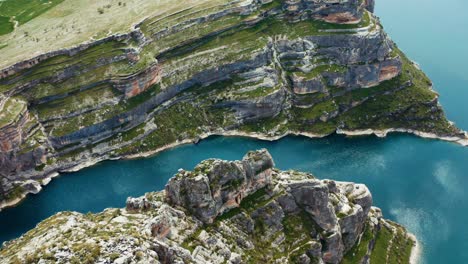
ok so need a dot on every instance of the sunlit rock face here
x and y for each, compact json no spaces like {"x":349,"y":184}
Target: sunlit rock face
{"x":224,"y":211}
{"x":254,"y":68}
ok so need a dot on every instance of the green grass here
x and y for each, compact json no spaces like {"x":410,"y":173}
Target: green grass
{"x":315,"y":112}
{"x":255,"y":37}
{"x":406,"y":108}
{"x":22,"y":11}
{"x":382,"y":242}
{"x":181,"y":121}
{"x":5,"y":25}
{"x":357,"y":253}
{"x":229,"y":214}
{"x":77,"y":102}
{"x":265,"y":125}
{"x":296,"y":226}
{"x":82,"y":61}
{"x":400,"y":251}
{"x":12,"y":108}
{"x":254,"y":200}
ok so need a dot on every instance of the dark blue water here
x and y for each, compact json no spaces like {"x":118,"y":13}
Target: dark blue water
{"x":419,"y":183}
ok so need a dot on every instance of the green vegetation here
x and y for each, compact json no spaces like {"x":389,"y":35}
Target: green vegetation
{"x":255,"y":200}
{"x":266,"y":125}
{"x":22,"y":11}
{"x":400,"y":251}
{"x":315,"y":112}
{"x":85,"y":253}
{"x":16,"y":192}
{"x":392,"y":246}
{"x":178,"y":122}
{"x":25,"y":10}
{"x":168,"y":19}
{"x":11,"y":111}
{"x":5,"y":25}
{"x":250,"y":203}
{"x":80,"y":101}
{"x":40,"y":167}
{"x":297,"y":230}
{"x":190,"y":242}
{"x":317,"y":71}
{"x":81,"y":63}
{"x":243,"y":40}
{"x":357,"y":253}
{"x":400,"y":108}
{"x":310,"y":99}
{"x":382,"y":243}
{"x":365,"y":21}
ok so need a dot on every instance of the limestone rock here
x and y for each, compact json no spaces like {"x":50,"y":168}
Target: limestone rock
{"x":300,"y":67}
{"x":215,"y":186}
{"x":267,"y":216}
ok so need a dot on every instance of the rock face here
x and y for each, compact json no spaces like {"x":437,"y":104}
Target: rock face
{"x":216,"y":186}
{"x":225,"y":211}
{"x":262,"y":68}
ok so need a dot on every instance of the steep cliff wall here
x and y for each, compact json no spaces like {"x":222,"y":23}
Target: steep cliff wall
{"x":226,"y":212}
{"x":260,"y":68}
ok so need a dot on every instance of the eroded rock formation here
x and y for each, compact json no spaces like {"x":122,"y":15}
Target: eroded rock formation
{"x":225,"y":212}
{"x":259,"y":68}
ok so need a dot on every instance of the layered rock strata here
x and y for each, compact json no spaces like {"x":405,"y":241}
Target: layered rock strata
{"x":226,"y":212}
{"x":255,"y":68}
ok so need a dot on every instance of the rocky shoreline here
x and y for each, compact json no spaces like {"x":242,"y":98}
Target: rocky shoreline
{"x":226,"y":211}
{"x":301,"y":66}
{"x":233,"y":133}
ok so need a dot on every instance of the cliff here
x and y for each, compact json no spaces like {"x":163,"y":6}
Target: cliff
{"x":221,"y":67}
{"x":225,"y":212}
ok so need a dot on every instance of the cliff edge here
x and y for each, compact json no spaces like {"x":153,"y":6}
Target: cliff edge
{"x":260,"y":68}
{"x":225,"y":212}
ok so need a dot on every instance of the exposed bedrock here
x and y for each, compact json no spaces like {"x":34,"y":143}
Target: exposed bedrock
{"x":331,"y":11}
{"x":266,"y":68}
{"x":135,"y":84}
{"x":217,"y":186}
{"x":207,"y":195}
{"x":141,"y":113}
{"x":243,"y":211}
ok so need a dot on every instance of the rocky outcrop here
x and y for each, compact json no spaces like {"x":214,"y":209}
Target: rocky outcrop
{"x":136,"y":84}
{"x":331,"y":11}
{"x":217,"y":186}
{"x":224,"y":211}
{"x":266,"y":68}
{"x":22,"y":147}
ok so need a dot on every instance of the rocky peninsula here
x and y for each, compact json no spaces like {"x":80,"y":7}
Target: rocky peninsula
{"x":260,"y":68}
{"x":226,"y":212}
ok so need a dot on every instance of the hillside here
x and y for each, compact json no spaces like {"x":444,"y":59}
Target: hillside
{"x":189,"y":70}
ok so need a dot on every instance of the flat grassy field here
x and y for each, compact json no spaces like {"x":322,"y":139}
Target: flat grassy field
{"x":5,"y":25}
{"x":57,"y":24}
{"x":22,"y":11}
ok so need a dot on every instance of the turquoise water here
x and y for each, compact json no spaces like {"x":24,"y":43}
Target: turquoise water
{"x":434,"y":33}
{"x":419,"y":183}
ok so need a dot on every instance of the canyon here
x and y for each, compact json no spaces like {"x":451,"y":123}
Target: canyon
{"x":264,"y":69}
